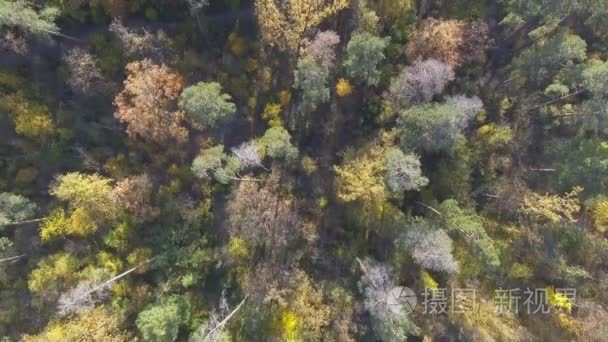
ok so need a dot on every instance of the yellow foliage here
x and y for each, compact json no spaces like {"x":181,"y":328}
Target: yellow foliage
{"x":138,"y":257}
{"x":31,"y":120}
{"x":289,"y":325}
{"x":272,"y":114}
{"x":553,"y":208}
{"x":428,"y":281}
{"x":309,"y":165}
{"x":109,"y":262}
{"x":558,"y":300}
{"x":284,"y":97}
{"x":57,"y":267}
{"x":57,"y":224}
{"x":568,"y":324}
{"x":283,"y":24}
{"x":361,"y":177}
{"x":600,"y":216}
{"x":236,"y":44}
{"x":237,"y":248}
{"x":343,"y":88}
{"x":92,"y":326}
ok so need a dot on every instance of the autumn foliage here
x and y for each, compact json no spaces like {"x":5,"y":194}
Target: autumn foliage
{"x":147,"y":104}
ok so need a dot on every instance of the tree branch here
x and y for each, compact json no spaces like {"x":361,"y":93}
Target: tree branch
{"x":13,"y":258}
{"x":223,"y":322}
{"x":430,"y":208}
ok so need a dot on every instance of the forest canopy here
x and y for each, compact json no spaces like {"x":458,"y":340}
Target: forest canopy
{"x":303,"y":170}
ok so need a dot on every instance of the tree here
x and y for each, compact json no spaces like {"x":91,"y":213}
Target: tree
{"x":261,"y":214}
{"x":403,"y":171}
{"x":469,"y":227}
{"x":142,"y":44}
{"x":85,"y":76}
{"x":214,"y":163}
{"x":323,"y":48}
{"x":53,"y":273}
{"x":284,"y":24}
{"x":552,"y":208}
{"x":538,"y":64}
{"x":343,"y":87}
{"x":206,"y":105}
{"x":19,"y":13}
{"x":248,"y":154}
{"x":360,"y":178}
{"x":147,"y":104}
{"x":376,"y":283}
{"x":135,"y":195}
{"x":453,"y":42}
{"x":363,"y":54}
{"x":79,"y":299}
{"x":436,"y":127}
{"x":79,"y":224}
{"x":15,"y":209}
{"x":419,"y":83}
{"x":160,"y":323}
{"x":595,"y":108}
{"x":276,"y":143}
{"x":311,"y":78}
{"x":90,"y":193}
{"x":32,"y":119}
{"x":430,"y":247}
{"x":91,"y":326}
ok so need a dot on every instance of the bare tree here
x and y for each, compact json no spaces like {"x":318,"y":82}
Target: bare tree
{"x":248,"y":154}
{"x":323,"y":48}
{"x":419,"y":83}
{"x":80,"y":299}
{"x":262,"y":214}
{"x":430,"y":247}
{"x":85,"y":76}
{"x":211,"y":331}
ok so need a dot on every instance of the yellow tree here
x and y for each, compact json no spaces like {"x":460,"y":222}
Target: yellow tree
{"x":284,"y":23}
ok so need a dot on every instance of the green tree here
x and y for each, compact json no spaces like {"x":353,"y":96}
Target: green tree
{"x":403,"y":171}
{"x":20,"y":13}
{"x":15,"y":209}
{"x":363,"y":54}
{"x":468,"y":227}
{"x":53,"y":273}
{"x":276,"y":143}
{"x":214,"y":163}
{"x":206,"y":105}
{"x":311,"y":78}
{"x":160,"y":323}
{"x":435,"y":127}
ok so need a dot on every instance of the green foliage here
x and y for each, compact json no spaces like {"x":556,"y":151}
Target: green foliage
{"x":214,"y":163}
{"x":22,"y":14}
{"x":206,"y":105}
{"x":432,"y":127}
{"x":469,"y":228}
{"x":582,"y":162}
{"x":160,"y":323}
{"x":310,"y":78}
{"x":540,"y":63}
{"x":403,"y":171}
{"x":15,"y":208}
{"x":364,"y":53}
{"x":276,"y":143}
{"x":53,"y":272}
